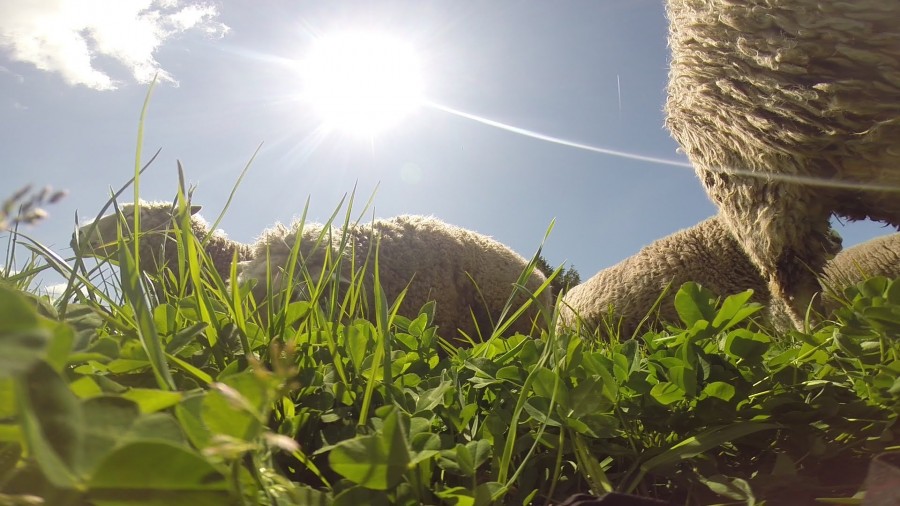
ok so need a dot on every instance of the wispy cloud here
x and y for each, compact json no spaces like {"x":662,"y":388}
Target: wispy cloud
{"x":68,"y":36}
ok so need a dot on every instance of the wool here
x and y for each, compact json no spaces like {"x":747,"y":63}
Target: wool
{"x":705,"y":253}
{"x":762,"y":91}
{"x":708,"y":254}
{"x":459,"y":269}
{"x":876,"y":257}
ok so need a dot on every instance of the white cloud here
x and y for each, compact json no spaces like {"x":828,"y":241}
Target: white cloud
{"x":54,"y":291}
{"x":194,"y":15}
{"x":68,"y":36}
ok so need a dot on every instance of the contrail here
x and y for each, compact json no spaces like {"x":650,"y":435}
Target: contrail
{"x":557,"y":140}
{"x":771,"y":176}
{"x":619,"y":91}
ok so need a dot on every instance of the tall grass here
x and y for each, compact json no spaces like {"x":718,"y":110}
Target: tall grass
{"x":319,"y":394}
{"x":180,"y":387}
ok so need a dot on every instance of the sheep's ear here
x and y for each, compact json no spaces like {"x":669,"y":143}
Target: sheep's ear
{"x":195,"y":210}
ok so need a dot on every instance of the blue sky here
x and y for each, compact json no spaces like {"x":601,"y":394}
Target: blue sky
{"x":73,"y":75}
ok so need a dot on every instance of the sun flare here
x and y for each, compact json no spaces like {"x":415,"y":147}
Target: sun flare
{"x":362,"y":82}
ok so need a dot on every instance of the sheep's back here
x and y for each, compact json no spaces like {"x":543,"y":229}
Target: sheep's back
{"x":705,"y":253}
{"x":443,"y":261}
{"x":431,"y":259}
{"x":275,"y":245}
{"x":876,"y":257}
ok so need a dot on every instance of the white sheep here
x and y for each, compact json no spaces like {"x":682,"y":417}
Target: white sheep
{"x":708,"y":254}
{"x":431,"y":259}
{"x":157,"y":238}
{"x":876,"y":257}
{"x":790,"y":111}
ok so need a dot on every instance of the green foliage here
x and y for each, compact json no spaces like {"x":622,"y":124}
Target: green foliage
{"x":717,"y":411}
{"x":181,"y":388}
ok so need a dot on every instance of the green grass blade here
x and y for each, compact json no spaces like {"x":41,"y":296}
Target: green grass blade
{"x":136,"y":298}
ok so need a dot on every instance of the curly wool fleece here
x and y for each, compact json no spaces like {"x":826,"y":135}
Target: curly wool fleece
{"x":767,"y":96}
{"x":707,"y":254}
{"x":466,"y":273}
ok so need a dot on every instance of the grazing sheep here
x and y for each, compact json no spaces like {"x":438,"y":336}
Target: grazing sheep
{"x":790,"y":111}
{"x":875,"y":257}
{"x":708,"y":254}
{"x":158,"y":243}
{"x":435,"y":260}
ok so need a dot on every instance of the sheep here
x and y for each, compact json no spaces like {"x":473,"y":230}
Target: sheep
{"x":708,"y":254}
{"x":876,"y":257}
{"x":158,"y":242}
{"x":433,"y":260}
{"x":790,"y":112}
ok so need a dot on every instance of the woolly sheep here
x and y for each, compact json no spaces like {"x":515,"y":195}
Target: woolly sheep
{"x":708,"y":254}
{"x":434,"y":258}
{"x":875,"y":257}
{"x":158,"y":246}
{"x":789,"y":111}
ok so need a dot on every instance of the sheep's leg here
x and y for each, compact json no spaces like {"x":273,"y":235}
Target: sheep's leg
{"x":792,"y":270}
{"x":795,"y":284}
{"x":789,"y":240}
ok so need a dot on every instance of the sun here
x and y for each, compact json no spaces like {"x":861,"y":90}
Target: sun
{"x":361,"y":82}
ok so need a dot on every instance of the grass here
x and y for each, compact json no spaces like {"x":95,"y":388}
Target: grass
{"x":175,"y":389}
{"x":180,"y":388}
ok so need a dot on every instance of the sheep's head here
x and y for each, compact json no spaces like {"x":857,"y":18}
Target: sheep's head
{"x":100,"y":238}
